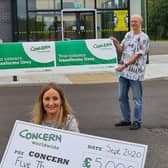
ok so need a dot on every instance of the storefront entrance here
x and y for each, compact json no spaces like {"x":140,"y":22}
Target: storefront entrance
{"x":78,"y":24}
{"x":56,"y":20}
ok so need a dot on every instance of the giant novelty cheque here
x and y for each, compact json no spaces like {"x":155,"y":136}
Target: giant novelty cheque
{"x":73,"y":56}
{"x":35,"y":146}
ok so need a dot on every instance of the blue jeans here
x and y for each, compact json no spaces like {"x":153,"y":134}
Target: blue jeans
{"x":136,"y":87}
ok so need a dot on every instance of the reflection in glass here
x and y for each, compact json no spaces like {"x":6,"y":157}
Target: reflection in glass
{"x":71,"y":4}
{"x":79,"y":25}
{"x":21,"y":11}
{"x":45,"y":26}
{"x":44,"y":4}
{"x":112,"y":4}
{"x":112,"y":23}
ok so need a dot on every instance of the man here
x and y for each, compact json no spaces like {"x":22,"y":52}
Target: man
{"x":134,"y":48}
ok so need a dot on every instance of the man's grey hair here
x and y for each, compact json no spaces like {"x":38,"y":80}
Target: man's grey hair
{"x":138,"y":16}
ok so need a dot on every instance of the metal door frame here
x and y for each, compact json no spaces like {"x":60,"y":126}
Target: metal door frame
{"x":78,"y":10}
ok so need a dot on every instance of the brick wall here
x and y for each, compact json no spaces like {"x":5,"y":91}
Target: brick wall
{"x":5,"y":20}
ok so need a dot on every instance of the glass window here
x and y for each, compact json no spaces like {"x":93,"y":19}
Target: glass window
{"x":31,"y":4}
{"x":105,"y":24}
{"x":21,"y":8}
{"x":71,"y":4}
{"x":89,"y":4}
{"x":112,"y":23}
{"x":144,"y":15}
{"x":44,"y":26}
{"x":112,"y":4}
{"x":21,"y":11}
{"x":44,"y":4}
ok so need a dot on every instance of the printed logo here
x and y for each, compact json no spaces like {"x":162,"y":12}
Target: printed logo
{"x":42,"y":52}
{"x":102,"y":49}
{"x":29,"y":135}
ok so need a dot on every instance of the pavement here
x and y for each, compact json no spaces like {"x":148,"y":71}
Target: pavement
{"x":157,"y":68}
{"x":97,"y":109}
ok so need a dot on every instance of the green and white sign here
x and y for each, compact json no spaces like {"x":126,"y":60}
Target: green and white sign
{"x":35,"y":146}
{"x":26,"y":55}
{"x":61,"y":57}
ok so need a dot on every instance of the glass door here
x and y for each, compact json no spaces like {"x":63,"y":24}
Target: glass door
{"x":78,"y":25}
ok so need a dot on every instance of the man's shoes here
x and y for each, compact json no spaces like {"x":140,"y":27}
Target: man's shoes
{"x":136,"y":125}
{"x":123,"y":123}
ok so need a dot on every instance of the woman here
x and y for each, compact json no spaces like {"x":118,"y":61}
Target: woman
{"x":52,"y":109}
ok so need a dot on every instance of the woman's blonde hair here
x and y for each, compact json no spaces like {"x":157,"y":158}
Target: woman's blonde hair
{"x":39,"y":112}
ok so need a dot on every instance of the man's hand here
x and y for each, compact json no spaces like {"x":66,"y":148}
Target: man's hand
{"x":120,"y":67}
{"x":116,"y":43}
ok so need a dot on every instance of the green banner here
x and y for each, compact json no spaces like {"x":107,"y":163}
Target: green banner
{"x":88,"y":52}
{"x":25,"y":55}
{"x":61,"y":56}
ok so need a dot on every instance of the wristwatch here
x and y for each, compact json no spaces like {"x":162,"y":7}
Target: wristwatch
{"x":126,"y":65}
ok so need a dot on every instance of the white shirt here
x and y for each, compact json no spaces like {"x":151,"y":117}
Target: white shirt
{"x":135,"y":44}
